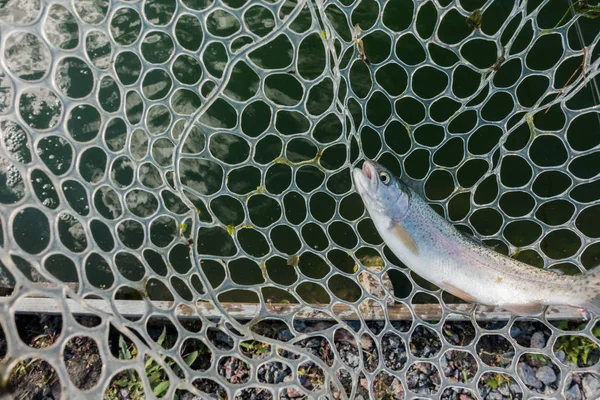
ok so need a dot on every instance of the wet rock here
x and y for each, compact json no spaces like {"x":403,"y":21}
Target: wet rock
{"x":528,"y":375}
{"x":514,"y":388}
{"x":591,"y":386}
{"x":494,"y":396}
{"x":504,"y":390}
{"x":573,"y":393}
{"x":412,"y":380}
{"x":546,"y":374}
{"x":561,"y":356}
{"x":538,"y":341}
{"x":294,"y":393}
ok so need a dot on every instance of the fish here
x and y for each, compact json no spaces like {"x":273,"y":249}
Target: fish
{"x":434,"y":249}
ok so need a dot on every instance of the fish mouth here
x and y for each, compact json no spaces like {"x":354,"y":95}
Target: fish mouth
{"x":365,"y":178}
{"x":368,"y":169}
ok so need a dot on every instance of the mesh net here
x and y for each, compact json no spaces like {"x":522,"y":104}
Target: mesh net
{"x":177,"y":216}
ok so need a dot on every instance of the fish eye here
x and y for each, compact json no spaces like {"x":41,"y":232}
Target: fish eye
{"x":384,"y":177}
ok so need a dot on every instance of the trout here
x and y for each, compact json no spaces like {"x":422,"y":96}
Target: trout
{"x":433,"y":248}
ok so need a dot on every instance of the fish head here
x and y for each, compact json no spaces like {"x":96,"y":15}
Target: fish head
{"x":384,"y":196}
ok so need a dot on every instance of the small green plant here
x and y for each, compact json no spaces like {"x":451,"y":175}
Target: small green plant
{"x":255,"y":349}
{"x":129,"y":379}
{"x":23,"y":368}
{"x":495,"y":380}
{"x":157,"y":378}
{"x":314,"y":375}
{"x":447,"y":332}
{"x":596,"y":330}
{"x":568,"y":325}
{"x":576,"y":348}
{"x":159,"y":382}
{"x":539,"y":358}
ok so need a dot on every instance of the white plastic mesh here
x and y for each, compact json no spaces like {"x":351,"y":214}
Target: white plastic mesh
{"x":185,"y":165}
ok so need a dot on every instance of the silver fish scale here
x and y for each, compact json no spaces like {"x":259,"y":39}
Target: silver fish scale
{"x":185,"y":165}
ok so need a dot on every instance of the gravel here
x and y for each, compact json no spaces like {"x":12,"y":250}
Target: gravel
{"x":423,"y":378}
{"x":367,"y":355}
{"x":591,"y":385}
{"x":538,"y":340}
{"x":573,"y":393}
{"x":528,"y":374}
{"x":546,"y":375}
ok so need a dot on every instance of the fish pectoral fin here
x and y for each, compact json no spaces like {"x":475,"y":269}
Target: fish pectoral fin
{"x":454,"y":291}
{"x":525,"y":309}
{"x":403,"y":236}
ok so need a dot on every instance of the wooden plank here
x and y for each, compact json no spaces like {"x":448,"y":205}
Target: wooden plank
{"x":396,"y":312}
{"x":399,"y":312}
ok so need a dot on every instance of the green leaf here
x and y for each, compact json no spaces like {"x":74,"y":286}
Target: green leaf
{"x":149,"y":363}
{"x":190,"y":358}
{"x":155,"y":376}
{"x":586,"y":353}
{"x":162,"y":337}
{"x":124,"y":352}
{"x":160,"y":389}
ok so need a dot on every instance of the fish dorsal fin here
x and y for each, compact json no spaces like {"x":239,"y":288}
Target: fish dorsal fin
{"x":477,"y":240}
{"x":525,"y":309}
{"x":404,"y":237}
{"x":472,"y":238}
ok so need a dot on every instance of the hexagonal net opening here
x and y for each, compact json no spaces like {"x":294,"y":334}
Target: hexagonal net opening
{"x":177,"y":215}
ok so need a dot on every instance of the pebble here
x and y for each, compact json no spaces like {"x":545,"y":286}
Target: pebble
{"x":561,"y":356}
{"x":494,"y":396}
{"x":504,"y":390}
{"x":515,"y":388}
{"x":591,"y":386}
{"x":412,"y":380}
{"x":352,"y":359}
{"x":573,"y":393}
{"x":546,"y":374}
{"x":538,"y":341}
{"x":528,"y":375}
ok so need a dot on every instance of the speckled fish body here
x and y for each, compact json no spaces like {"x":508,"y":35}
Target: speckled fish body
{"x":433,"y":248}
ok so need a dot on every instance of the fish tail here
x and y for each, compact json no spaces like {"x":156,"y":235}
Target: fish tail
{"x":591,"y":290}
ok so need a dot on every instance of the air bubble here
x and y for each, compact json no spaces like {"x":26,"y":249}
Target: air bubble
{"x":74,"y":78}
{"x":40,"y":108}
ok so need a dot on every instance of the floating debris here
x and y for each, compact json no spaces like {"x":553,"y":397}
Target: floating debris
{"x":230,"y":229}
{"x":293,"y":260}
{"x":474,"y":19}
{"x":588,"y":11}
{"x":499,"y":61}
{"x":359,"y":44}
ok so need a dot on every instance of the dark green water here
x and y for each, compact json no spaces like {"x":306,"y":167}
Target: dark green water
{"x":262,"y":141}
